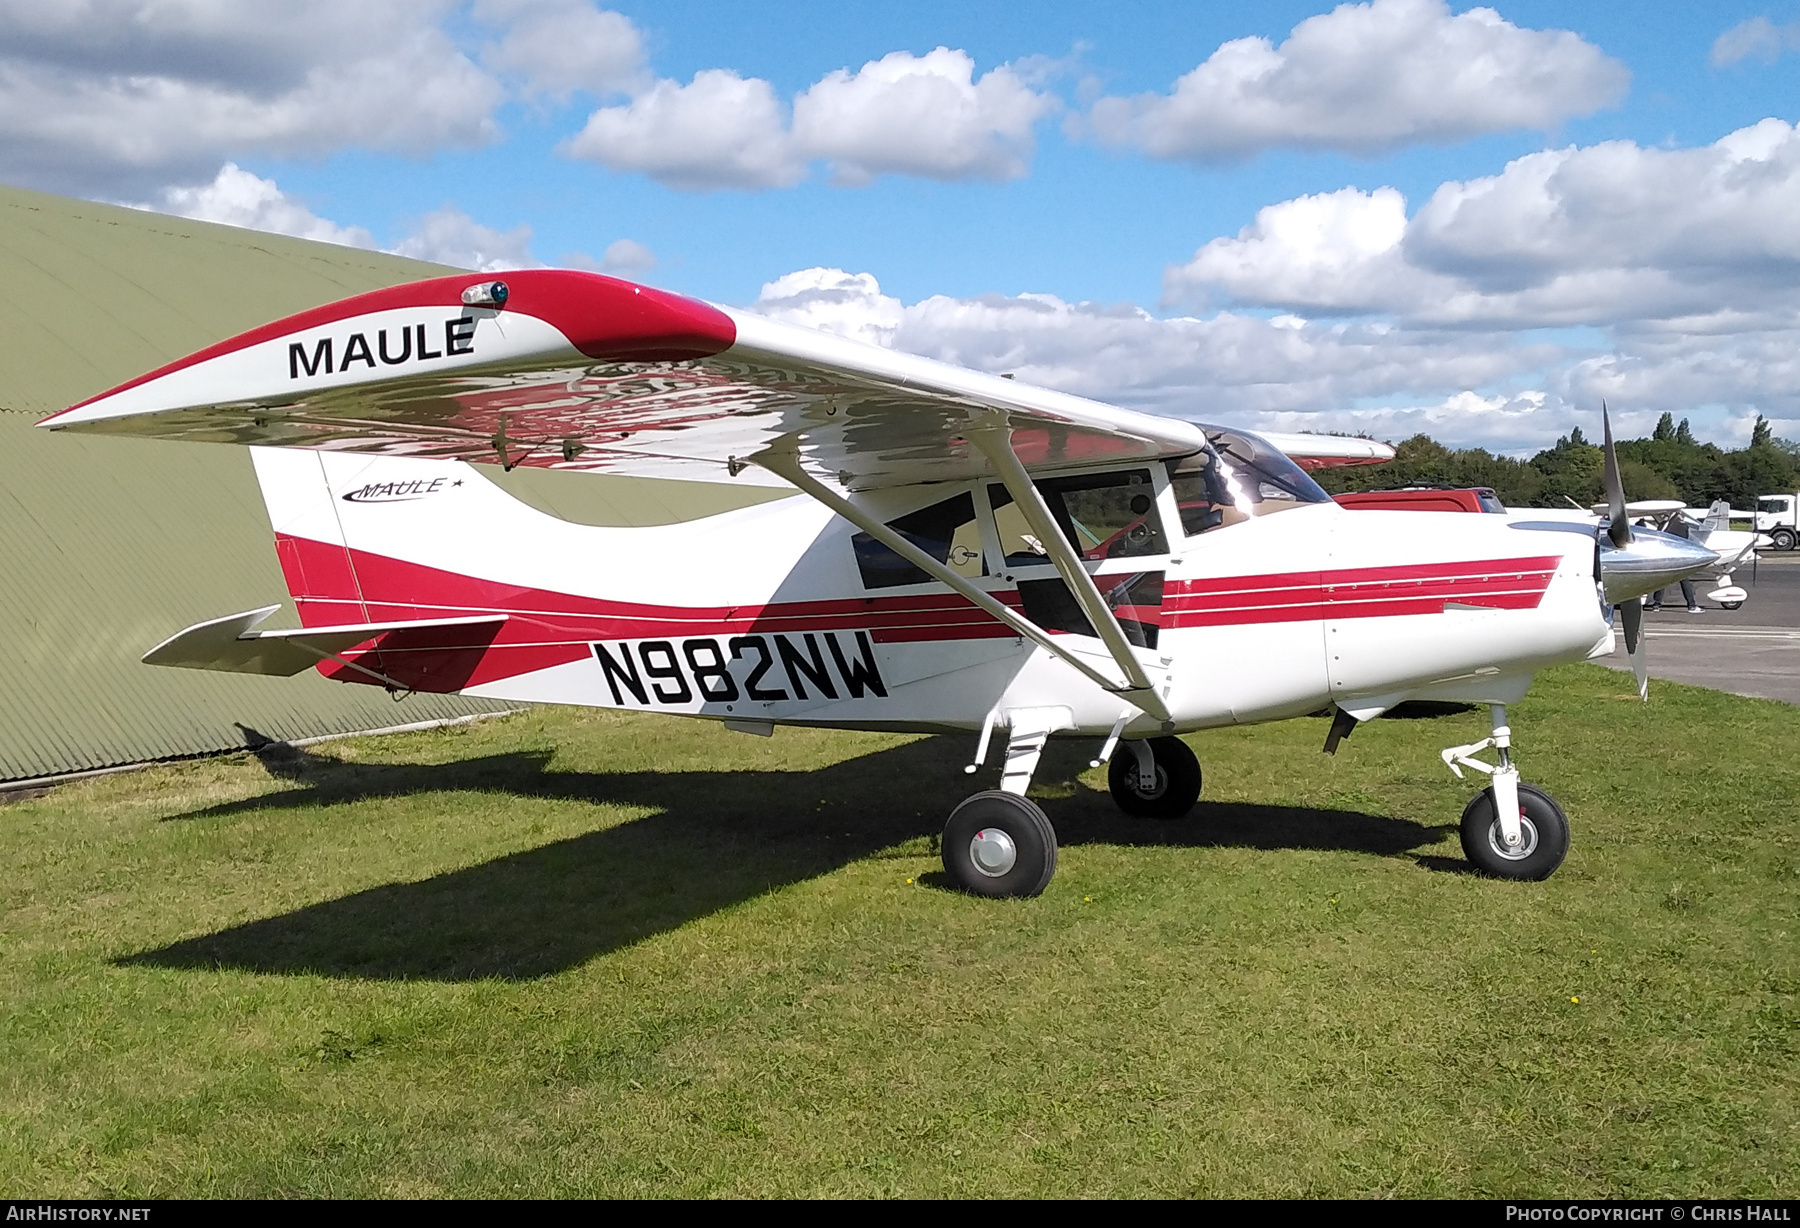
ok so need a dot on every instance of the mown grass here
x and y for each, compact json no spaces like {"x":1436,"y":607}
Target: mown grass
{"x":585,"y":953}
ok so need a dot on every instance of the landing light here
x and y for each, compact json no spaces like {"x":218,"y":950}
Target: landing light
{"x":485,"y":294}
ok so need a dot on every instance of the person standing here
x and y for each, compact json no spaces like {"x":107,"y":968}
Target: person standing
{"x":1678,"y":526}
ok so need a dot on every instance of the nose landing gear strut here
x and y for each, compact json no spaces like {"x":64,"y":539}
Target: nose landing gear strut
{"x":1510,"y":829}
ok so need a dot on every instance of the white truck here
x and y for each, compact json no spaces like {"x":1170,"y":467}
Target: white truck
{"x":1779,"y":517}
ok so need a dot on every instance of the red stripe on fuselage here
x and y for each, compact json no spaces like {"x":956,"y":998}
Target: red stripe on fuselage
{"x":1360,"y":592}
{"x":545,"y":627}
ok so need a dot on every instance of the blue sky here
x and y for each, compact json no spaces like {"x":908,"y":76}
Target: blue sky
{"x":1045,"y":242}
{"x":1086,"y":223}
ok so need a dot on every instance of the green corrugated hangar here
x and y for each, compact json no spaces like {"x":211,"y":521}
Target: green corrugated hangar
{"x":107,"y":546}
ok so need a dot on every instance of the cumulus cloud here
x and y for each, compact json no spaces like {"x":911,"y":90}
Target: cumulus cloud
{"x":236,"y":197}
{"x":1230,"y":367}
{"x":1683,"y":263}
{"x":718,"y":131}
{"x":1336,"y":251}
{"x":450,"y":236}
{"x":1696,"y":239}
{"x":120,"y":98}
{"x":1365,"y":78}
{"x":1496,"y":388}
{"x":833,"y":301}
{"x":902,"y":114}
{"x":920,"y":115}
{"x":560,"y":46}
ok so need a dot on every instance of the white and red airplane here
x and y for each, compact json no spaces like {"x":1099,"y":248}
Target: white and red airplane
{"x":963,"y":552}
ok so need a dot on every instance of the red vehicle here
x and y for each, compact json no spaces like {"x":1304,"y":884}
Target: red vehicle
{"x":1425,"y":499}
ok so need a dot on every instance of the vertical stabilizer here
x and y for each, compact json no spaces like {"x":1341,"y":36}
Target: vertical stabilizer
{"x":309,"y":536}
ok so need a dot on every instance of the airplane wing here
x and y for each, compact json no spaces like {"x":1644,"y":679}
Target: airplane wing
{"x":1329,"y":451}
{"x":573,"y":370}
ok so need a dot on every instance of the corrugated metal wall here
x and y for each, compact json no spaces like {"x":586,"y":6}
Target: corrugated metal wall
{"x":107,"y":546}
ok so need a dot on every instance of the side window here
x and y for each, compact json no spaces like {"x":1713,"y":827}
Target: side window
{"x":1103,"y":515}
{"x":947,"y":531}
{"x":1017,"y":542}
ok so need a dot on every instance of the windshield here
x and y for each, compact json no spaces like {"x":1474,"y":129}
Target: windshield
{"x":1237,"y":476}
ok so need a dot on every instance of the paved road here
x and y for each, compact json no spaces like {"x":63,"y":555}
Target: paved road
{"x":1750,"y":651}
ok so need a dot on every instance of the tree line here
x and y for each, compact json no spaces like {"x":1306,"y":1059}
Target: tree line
{"x":1670,"y":464}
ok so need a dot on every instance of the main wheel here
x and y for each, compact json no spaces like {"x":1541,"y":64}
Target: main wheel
{"x":1541,"y":823}
{"x":999,"y":844}
{"x":1731,"y":605}
{"x":1783,"y":539}
{"x":1177,"y":780}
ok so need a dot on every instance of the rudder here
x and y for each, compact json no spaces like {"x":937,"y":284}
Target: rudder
{"x":309,"y":536}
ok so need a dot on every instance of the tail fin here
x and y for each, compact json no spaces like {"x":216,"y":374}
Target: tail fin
{"x":401,"y":649}
{"x":309,"y":537}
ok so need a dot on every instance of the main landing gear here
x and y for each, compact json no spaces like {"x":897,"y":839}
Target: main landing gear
{"x":999,"y":843}
{"x":1157,"y":778}
{"x":1510,"y":829}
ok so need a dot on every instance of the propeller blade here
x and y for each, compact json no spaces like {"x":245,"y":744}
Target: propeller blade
{"x":1631,"y":614}
{"x":1619,"y":528}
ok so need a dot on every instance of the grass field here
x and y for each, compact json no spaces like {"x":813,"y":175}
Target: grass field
{"x":586,"y":953}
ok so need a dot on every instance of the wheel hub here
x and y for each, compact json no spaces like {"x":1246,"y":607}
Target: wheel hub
{"x":1527,"y":845}
{"x":993,"y":852}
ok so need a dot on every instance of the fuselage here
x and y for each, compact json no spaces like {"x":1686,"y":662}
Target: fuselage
{"x":780,"y":614}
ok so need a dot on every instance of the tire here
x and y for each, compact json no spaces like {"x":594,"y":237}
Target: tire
{"x":1731,"y":605}
{"x":1783,"y":539}
{"x":990,"y":816}
{"x":1177,"y":781}
{"x":1544,"y":825}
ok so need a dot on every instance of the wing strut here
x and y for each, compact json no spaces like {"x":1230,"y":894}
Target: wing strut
{"x":784,"y":461}
{"x":996,"y":443}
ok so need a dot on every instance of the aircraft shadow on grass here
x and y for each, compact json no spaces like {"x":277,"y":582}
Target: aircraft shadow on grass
{"x":714,"y":839}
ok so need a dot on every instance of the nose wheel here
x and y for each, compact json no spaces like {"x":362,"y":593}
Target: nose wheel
{"x":1157,"y":778}
{"x":1542,"y":839}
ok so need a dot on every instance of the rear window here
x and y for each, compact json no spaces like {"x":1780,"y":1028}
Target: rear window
{"x":947,"y":531}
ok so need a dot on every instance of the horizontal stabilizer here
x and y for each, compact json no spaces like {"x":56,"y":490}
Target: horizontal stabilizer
{"x":230,"y":644}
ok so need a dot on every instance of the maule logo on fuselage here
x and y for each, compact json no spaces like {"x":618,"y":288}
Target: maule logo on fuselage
{"x":397,"y":492}
{"x":408,"y":346}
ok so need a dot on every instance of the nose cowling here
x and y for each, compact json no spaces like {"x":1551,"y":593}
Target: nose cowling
{"x":1649,"y":561}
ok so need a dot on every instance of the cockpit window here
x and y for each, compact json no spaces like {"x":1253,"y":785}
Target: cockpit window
{"x":947,"y":531}
{"x":1103,"y":515}
{"x":1236,"y":477}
